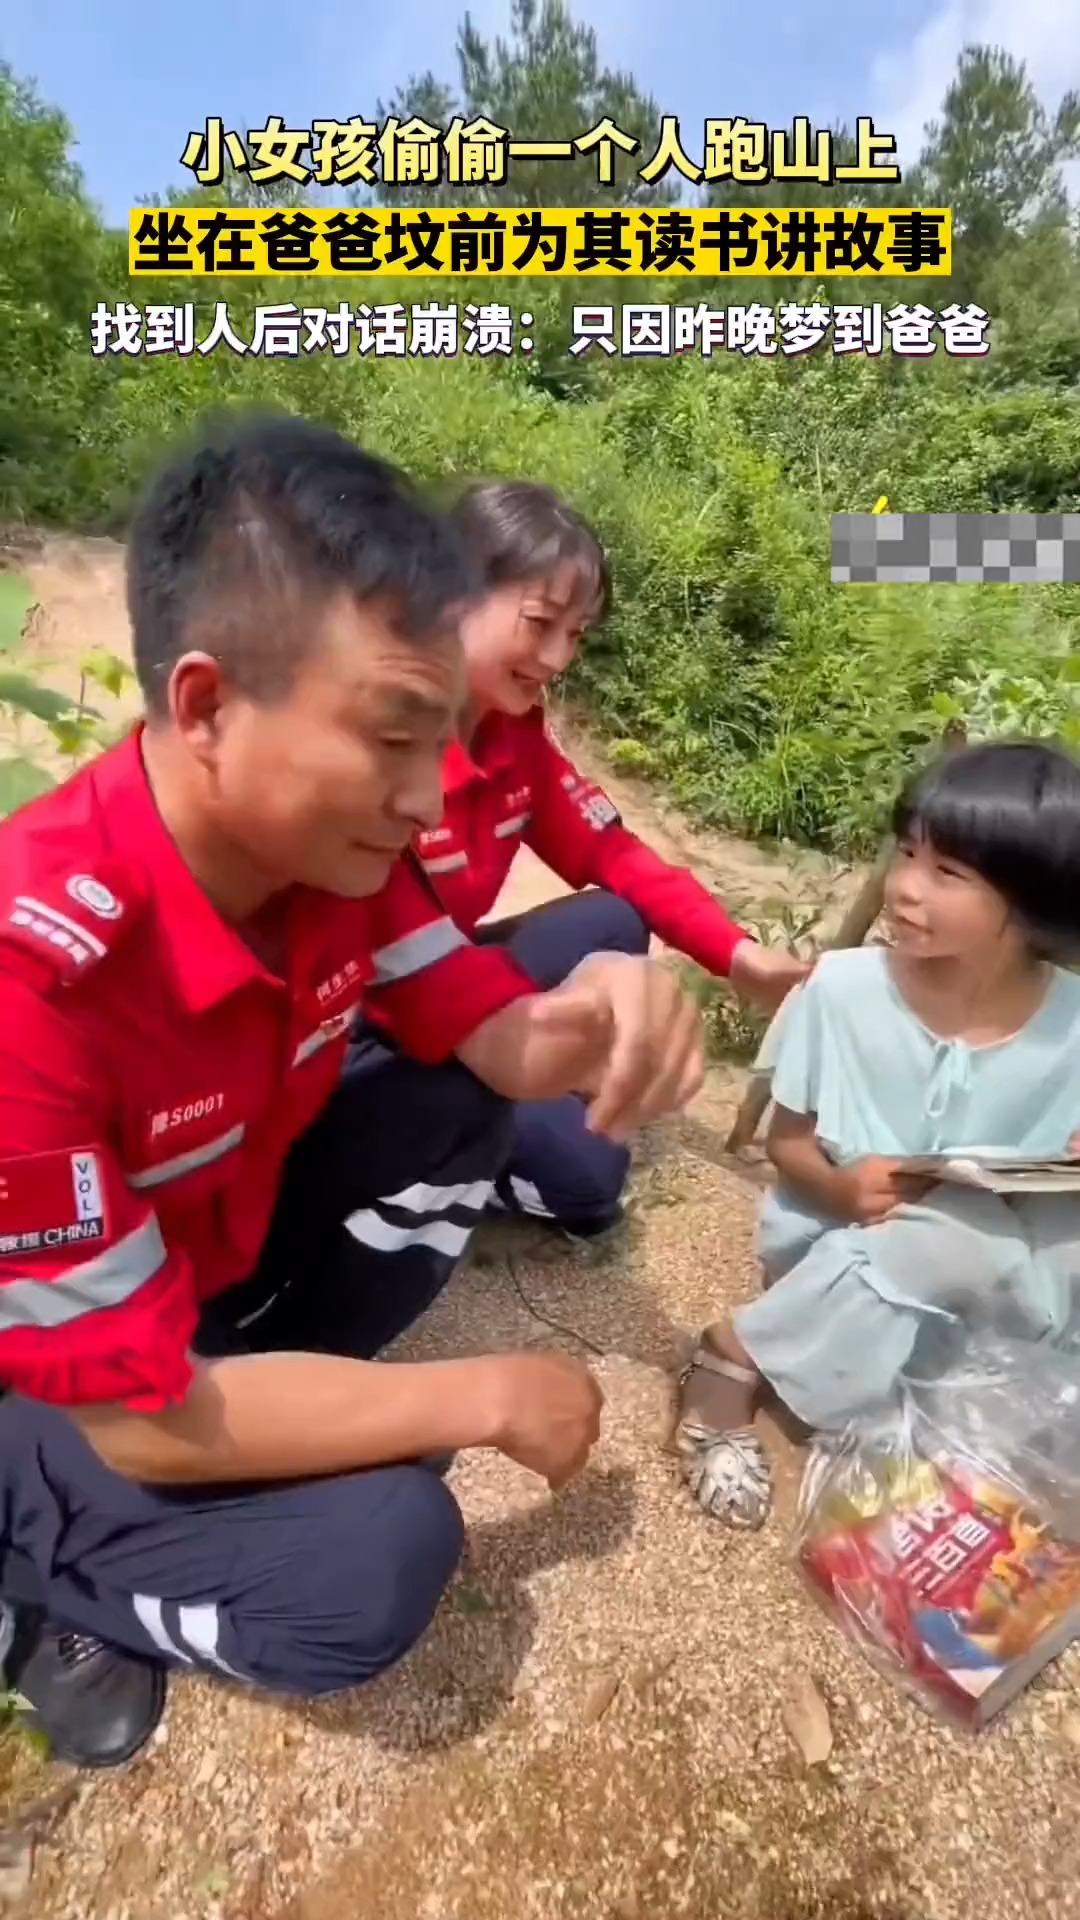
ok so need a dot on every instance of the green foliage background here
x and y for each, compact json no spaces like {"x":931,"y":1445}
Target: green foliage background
{"x":768,"y":700}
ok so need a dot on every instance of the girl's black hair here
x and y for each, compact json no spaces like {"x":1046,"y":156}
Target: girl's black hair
{"x":517,"y":530}
{"x":1009,"y":810}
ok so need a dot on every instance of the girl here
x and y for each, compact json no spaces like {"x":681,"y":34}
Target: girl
{"x":965,"y":1034}
{"x":507,"y":783}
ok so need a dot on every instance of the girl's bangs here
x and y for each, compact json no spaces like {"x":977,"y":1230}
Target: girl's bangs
{"x":947,"y":821}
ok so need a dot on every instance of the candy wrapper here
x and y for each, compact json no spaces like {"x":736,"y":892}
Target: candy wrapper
{"x":945,"y":1540}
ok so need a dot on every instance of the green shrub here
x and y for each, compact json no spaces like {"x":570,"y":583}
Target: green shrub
{"x":71,"y":729}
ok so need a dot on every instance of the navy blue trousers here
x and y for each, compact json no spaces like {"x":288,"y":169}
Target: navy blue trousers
{"x":557,"y":1170}
{"x":310,"y":1587}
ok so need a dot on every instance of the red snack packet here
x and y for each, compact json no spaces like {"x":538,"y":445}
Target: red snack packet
{"x":946,"y":1580}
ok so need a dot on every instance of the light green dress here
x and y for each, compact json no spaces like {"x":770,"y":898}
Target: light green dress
{"x":851,"y":1308}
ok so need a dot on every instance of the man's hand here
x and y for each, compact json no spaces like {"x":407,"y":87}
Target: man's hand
{"x":642,"y":1047}
{"x":766,"y":975}
{"x":297,"y":1416}
{"x":547,"y":1413}
{"x":869,"y":1190}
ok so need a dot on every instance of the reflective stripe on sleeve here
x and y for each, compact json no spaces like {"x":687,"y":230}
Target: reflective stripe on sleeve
{"x":313,"y":1043}
{"x":415,"y":951}
{"x":516,"y":824}
{"x":187,"y":1162}
{"x":107,"y":1280}
{"x":322,"y":1036}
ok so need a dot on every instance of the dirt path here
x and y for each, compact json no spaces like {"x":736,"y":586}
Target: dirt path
{"x":595,"y":1725}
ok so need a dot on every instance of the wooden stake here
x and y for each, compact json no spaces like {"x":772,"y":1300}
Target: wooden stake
{"x":750,"y":1115}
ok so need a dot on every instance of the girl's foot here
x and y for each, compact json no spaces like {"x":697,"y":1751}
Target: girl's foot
{"x":723,"y":1460}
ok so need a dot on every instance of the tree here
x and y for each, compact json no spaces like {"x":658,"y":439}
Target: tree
{"x":51,"y":265}
{"x":995,"y":157}
{"x":237,"y":190}
{"x":545,"y":83}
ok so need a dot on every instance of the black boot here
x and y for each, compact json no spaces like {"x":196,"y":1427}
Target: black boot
{"x":95,"y":1705}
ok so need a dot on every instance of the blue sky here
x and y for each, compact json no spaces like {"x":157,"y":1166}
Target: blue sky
{"x":134,"y":79}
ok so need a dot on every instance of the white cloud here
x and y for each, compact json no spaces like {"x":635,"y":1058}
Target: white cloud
{"x":908,"y":89}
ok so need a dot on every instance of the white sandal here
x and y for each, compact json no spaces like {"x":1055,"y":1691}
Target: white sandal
{"x":727,"y":1473}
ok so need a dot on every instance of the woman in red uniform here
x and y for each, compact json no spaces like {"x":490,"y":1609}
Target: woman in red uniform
{"x":508,"y":783}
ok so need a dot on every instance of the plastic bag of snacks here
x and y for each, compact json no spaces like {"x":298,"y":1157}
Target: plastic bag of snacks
{"x":945,"y":1539}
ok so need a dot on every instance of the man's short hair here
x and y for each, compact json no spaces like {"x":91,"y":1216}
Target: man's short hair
{"x":243,"y":536}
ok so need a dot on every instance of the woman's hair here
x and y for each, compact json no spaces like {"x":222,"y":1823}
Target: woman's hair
{"x":517,"y":530}
{"x":1009,"y":810}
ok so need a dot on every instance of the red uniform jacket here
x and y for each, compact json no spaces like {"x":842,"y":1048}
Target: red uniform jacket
{"x":153,"y":1075}
{"x":515,"y":785}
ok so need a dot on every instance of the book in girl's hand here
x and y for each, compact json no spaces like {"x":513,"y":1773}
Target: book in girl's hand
{"x":947,"y":1579}
{"x":997,"y":1170}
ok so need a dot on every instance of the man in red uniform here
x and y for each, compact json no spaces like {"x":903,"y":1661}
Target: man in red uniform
{"x":213,"y":1211}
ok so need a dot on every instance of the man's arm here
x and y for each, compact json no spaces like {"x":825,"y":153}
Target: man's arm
{"x":297,"y":1415}
{"x":98,"y":1314}
{"x":252,"y":1418}
{"x":432,"y":988}
{"x":620,"y":1028}
{"x":94,"y":1306}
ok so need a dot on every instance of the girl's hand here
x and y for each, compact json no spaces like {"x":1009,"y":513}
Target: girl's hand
{"x":870,"y":1190}
{"x":766,"y":975}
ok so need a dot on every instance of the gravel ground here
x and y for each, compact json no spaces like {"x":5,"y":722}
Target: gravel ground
{"x":596,"y":1725}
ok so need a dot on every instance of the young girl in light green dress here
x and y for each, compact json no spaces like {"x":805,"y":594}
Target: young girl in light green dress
{"x":965,"y":1033}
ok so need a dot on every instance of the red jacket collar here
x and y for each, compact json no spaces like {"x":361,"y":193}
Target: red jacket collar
{"x":209,"y":958}
{"x":495,"y":746}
